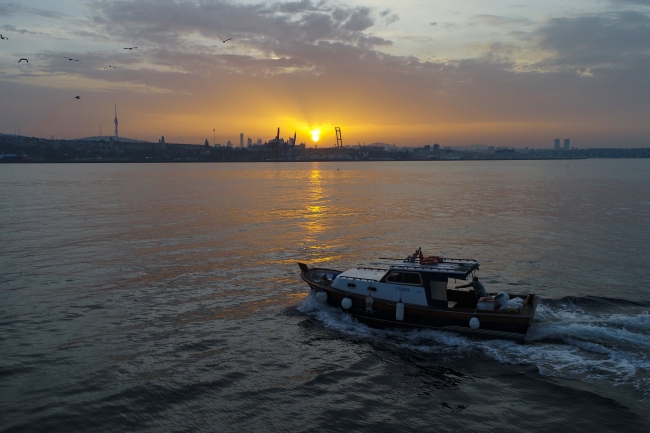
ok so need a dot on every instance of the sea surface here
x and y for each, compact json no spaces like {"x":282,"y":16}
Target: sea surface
{"x":167,"y":297}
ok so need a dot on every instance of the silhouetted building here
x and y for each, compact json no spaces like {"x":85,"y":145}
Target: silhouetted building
{"x":567,"y":144}
{"x":436,"y":149}
{"x":259,"y":141}
{"x":557,"y":144}
{"x":115,"y":121}
{"x":241,"y":140}
{"x":229,"y":144}
{"x":250,"y":142}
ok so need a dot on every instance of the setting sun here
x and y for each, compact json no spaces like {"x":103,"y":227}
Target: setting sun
{"x":315,"y":134}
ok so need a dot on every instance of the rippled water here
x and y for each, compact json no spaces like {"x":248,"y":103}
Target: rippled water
{"x":166,"y":297}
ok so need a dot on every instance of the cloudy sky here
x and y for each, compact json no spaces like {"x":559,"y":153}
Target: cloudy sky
{"x":455,"y":72}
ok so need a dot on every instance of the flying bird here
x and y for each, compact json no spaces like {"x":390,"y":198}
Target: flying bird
{"x":110,"y":66}
{"x":22,"y":60}
{"x":70,"y":59}
{"x":130,"y":48}
{"x":3,"y":38}
{"x":224,"y":40}
{"x":77,"y":97}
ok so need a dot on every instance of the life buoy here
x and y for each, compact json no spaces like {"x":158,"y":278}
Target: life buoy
{"x":432,"y":260}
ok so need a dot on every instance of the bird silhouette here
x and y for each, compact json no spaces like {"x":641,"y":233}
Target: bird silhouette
{"x":224,"y":40}
{"x":110,"y":66}
{"x":77,"y":97}
{"x":130,"y":48}
{"x":3,"y":38}
{"x":70,"y":59}
{"x":22,"y":60}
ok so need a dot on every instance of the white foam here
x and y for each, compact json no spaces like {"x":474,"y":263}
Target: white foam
{"x":567,"y":341}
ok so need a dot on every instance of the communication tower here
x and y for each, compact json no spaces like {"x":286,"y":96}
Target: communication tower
{"x":116,"y":134}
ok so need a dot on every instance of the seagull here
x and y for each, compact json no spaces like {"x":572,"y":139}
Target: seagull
{"x":77,"y":97}
{"x":3,"y":38}
{"x":70,"y":59}
{"x":22,"y":60}
{"x":110,"y":66}
{"x":224,"y":40}
{"x":130,"y":48}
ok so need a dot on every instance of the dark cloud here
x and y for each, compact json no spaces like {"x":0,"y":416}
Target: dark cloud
{"x":359,"y":21}
{"x":636,"y":2}
{"x":615,"y":40}
{"x":388,"y":17}
{"x":9,"y":9}
{"x":13,"y":29}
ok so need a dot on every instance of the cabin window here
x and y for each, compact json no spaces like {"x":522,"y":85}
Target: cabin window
{"x":352,"y":285}
{"x":412,"y":278}
{"x":394,"y":277}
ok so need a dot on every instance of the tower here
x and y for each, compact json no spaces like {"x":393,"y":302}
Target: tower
{"x":116,"y":135}
{"x":557,"y":144}
{"x":241,"y":140}
{"x":567,"y":144}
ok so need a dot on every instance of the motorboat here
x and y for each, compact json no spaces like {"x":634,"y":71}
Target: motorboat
{"x":415,"y":292}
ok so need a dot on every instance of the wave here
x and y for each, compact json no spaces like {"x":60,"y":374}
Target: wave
{"x":589,"y":339}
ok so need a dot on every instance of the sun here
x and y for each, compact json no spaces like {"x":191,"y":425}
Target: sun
{"x":315,"y":134}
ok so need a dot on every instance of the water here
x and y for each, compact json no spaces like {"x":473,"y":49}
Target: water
{"x":166,"y":297}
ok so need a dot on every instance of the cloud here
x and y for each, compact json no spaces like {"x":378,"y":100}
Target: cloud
{"x":359,"y":20}
{"x":636,"y":2}
{"x":9,"y":9}
{"x":13,"y":29}
{"x":604,"y":41}
{"x":501,"y":21}
{"x":388,"y":17}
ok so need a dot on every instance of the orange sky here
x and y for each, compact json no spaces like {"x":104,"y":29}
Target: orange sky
{"x":466,"y":73}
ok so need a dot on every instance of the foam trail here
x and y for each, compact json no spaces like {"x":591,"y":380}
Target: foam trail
{"x":565,"y":341}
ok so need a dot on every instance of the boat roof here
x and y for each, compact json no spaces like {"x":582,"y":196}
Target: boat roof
{"x":453,"y":268}
{"x":364,"y":274}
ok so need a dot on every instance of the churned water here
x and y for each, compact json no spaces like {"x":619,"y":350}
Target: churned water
{"x":166,"y":297}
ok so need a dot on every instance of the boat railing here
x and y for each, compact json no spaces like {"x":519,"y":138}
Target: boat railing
{"x":359,"y":278}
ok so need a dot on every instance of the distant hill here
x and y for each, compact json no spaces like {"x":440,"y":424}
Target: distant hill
{"x":115,"y":139}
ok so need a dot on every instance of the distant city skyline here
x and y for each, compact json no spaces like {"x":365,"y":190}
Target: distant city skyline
{"x":458,"y":73}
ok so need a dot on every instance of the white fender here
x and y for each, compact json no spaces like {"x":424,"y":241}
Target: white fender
{"x":321,"y":296}
{"x":369,"y":302}
{"x":474,"y":323}
{"x":399,"y":311}
{"x":346,"y":303}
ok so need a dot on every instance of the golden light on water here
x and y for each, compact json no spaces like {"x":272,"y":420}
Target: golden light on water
{"x":315,"y":134}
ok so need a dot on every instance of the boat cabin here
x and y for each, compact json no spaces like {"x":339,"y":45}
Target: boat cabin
{"x":419,"y":282}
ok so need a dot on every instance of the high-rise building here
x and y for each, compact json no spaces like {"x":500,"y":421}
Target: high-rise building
{"x":557,"y":144}
{"x":250,"y":142}
{"x":116,"y":134}
{"x":241,"y":140}
{"x":229,"y":144}
{"x":567,"y":144}
{"x":259,"y":141}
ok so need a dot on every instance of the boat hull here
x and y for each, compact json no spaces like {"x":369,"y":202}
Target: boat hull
{"x":497,"y":324}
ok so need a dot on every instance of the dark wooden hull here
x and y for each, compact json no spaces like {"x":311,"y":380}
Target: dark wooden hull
{"x":499,"y":324}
